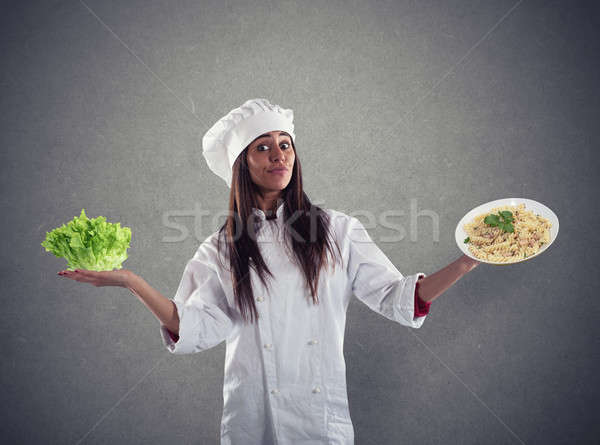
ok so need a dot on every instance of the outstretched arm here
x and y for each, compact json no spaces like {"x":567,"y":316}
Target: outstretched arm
{"x":432,"y":286}
{"x":163,"y":308}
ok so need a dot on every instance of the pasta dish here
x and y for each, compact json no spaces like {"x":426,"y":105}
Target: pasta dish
{"x":523,"y":235}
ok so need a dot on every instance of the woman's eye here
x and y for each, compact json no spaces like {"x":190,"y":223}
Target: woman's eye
{"x":283,"y":143}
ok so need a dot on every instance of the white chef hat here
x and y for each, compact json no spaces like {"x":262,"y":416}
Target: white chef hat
{"x":231,"y":134}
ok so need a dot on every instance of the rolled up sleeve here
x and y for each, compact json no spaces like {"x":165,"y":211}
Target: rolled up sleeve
{"x":204,"y":316}
{"x":377,"y":282}
{"x":421,"y":307}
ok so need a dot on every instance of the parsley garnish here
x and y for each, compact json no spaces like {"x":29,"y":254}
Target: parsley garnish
{"x":502,"y":220}
{"x":467,"y":239}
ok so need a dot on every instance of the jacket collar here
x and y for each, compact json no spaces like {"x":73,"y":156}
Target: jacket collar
{"x":260,"y":215}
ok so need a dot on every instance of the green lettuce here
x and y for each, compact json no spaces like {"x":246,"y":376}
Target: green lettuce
{"x":91,"y":244}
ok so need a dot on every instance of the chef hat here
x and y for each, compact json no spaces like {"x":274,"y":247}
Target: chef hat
{"x":227,"y":138}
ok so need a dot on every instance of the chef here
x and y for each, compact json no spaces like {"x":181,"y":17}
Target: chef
{"x":274,"y":282}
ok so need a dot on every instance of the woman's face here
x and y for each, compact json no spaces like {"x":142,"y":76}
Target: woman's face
{"x":270,"y":152}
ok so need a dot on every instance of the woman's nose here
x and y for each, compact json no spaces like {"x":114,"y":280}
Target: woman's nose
{"x":277,"y":154}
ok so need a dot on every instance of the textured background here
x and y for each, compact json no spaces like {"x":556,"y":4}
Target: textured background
{"x":448,"y":104}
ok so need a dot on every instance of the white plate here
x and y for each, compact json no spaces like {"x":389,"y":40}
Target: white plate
{"x":530,"y":204}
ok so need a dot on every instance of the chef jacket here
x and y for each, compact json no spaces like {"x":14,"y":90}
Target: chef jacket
{"x":285,"y":375}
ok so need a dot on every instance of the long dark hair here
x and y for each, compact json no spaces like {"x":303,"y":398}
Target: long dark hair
{"x":310,"y":247}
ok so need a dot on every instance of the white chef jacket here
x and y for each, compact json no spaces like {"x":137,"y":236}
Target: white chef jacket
{"x":285,"y":375}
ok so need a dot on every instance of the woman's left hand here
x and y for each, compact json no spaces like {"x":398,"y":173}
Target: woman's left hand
{"x":116,"y":277}
{"x":469,"y":262}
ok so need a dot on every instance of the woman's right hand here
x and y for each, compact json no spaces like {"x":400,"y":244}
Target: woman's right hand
{"x":116,"y":277}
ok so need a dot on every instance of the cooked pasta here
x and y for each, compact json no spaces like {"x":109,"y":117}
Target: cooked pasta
{"x":531,"y":233}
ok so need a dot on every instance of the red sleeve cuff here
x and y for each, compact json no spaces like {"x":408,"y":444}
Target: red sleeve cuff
{"x":174,"y":337}
{"x":421,"y":307}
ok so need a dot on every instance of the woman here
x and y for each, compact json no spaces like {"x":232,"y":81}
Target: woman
{"x":274,"y":283}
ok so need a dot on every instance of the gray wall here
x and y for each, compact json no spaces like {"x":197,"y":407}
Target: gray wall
{"x":446,"y":104}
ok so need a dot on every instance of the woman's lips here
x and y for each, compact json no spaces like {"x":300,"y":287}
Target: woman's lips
{"x":279,"y":171}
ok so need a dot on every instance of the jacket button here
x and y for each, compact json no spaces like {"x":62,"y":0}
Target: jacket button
{"x":274,"y":391}
{"x":268,"y":346}
{"x":316,"y":389}
{"x":259,"y":298}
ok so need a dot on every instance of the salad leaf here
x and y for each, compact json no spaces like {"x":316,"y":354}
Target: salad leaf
{"x":507,"y":215}
{"x":492,"y":220}
{"x":91,"y":244}
{"x":502,"y":220}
